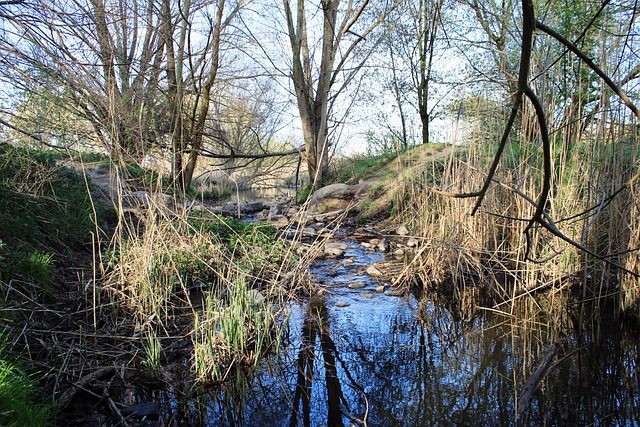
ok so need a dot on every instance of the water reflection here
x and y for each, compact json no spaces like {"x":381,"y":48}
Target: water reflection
{"x":392,"y":362}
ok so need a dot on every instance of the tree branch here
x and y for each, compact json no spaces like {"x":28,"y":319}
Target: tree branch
{"x":572,"y":47}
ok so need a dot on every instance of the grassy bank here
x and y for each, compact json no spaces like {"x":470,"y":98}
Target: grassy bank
{"x":165,"y":292}
{"x":593,"y":202}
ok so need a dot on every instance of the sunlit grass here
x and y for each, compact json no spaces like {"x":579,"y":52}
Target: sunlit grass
{"x":19,"y":404}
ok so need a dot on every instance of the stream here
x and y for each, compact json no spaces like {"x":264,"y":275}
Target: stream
{"x":358,"y":357}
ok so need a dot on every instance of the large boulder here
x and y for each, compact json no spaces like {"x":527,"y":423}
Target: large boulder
{"x":336,"y":197}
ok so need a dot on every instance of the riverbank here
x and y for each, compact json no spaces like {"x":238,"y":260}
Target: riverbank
{"x":162,"y":299}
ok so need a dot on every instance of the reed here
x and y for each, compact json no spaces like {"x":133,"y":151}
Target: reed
{"x":175,"y":270}
{"x":489,"y":249}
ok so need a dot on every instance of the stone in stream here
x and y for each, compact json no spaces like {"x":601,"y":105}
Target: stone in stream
{"x":366,"y":294}
{"x":346,"y":262}
{"x":395,"y":293}
{"x":279,"y":221}
{"x":384,"y":245}
{"x":333,"y":252}
{"x":357,"y":285}
{"x":374,"y":242}
{"x":380,"y":289}
{"x":402,"y":230}
{"x":335,"y":197}
{"x":342,"y":304}
{"x":335,"y":249}
{"x":309,"y":231}
{"x":374,"y":272}
{"x":366,"y":245}
{"x":302,"y":249}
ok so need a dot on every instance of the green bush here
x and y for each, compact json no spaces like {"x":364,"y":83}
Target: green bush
{"x":303,"y":195}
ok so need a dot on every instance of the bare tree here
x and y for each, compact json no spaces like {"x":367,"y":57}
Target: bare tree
{"x":316,"y":88}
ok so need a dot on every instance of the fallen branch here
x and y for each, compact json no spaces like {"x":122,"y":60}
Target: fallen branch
{"x":543,"y":369}
{"x":68,"y":395}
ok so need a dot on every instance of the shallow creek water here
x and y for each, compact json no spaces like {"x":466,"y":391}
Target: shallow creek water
{"x":396,"y":361}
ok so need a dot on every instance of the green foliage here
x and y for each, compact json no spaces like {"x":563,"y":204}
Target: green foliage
{"x":152,"y":350}
{"x":18,"y":397}
{"x":303,"y":195}
{"x":37,"y":268}
{"x":237,"y":331}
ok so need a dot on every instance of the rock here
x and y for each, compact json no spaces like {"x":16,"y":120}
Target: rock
{"x":291,"y":211}
{"x":374,"y":272}
{"x":309,"y":231}
{"x":366,"y":294}
{"x":361,"y":231}
{"x":335,"y":197}
{"x":302,"y":249}
{"x":342,"y":304}
{"x":275,"y":210}
{"x":394,"y":293}
{"x":412,"y":242}
{"x":402,"y":230}
{"x":374,"y":242}
{"x":356,"y":285}
{"x":380,"y":289}
{"x":233,"y":208}
{"x":333,"y":252}
{"x":399,"y":253}
{"x":366,"y":245}
{"x":279,"y":221}
{"x":348,"y":261}
{"x":384,"y":245}
{"x":256,"y":297}
{"x":251,"y":207}
{"x":336,"y":245}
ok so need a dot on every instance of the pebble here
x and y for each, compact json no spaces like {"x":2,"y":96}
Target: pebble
{"x":342,"y":304}
{"x":380,"y":289}
{"x":373,"y":272}
{"x":394,"y":293}
{"x":402,"y":230}
{"x":366,"y":294}
{"x":357,"y":285}
{"x":384,"y":245}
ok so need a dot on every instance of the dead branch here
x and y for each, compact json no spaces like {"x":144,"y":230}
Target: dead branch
{"x":543,"y":369}
{"x":573,"y":48}
{"x":528,"y":26}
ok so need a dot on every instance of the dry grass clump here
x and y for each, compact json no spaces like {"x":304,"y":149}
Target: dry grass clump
{"x":195,"y":274}
{"x":491,"y":249}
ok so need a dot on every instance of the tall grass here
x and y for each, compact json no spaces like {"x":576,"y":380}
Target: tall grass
{"x":176,"y":271}
{"x":488,"y":250}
